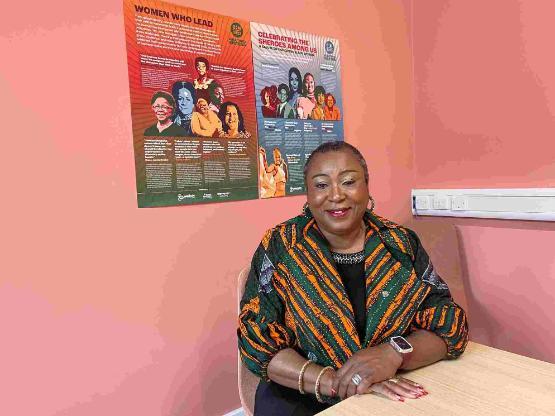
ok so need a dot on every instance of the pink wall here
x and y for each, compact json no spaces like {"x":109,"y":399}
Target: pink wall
{"x":485,"y":104}
{"x":106,"y":309}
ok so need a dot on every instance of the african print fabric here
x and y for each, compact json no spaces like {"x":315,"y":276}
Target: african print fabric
{"x":294,"y":296}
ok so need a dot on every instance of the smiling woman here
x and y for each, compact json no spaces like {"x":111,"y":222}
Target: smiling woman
{"x":339,"y":299}
{"x":163,"y":105}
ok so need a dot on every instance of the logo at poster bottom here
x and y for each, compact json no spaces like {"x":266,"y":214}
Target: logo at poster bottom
{"x":181,"y":197}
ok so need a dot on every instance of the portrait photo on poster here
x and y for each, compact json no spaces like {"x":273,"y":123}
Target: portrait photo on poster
{"x":297,"y":82}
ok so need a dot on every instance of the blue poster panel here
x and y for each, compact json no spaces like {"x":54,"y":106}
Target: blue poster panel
{"x":299,"y":104}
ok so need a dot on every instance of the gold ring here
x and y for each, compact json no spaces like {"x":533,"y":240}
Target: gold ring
{"x":394,"y":380}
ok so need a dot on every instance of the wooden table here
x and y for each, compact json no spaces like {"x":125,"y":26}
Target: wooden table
{"x":484,"y":381}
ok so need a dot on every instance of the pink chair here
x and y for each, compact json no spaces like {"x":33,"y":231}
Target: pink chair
{"x":247,"y":380}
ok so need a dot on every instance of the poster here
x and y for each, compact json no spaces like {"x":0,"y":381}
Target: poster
{"x":299,"y":104}
{"x":192,"y":105}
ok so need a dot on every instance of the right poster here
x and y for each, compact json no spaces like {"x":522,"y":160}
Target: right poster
{"x":299,"y":105}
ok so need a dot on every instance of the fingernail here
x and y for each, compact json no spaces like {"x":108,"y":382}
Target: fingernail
{"x":400,"y":398}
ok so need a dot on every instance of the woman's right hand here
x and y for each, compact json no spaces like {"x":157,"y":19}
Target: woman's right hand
{"x":398,"y":389}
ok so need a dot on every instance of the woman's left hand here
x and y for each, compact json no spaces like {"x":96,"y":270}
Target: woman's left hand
{"x":372,"y":365}
{"x":398,"y":389}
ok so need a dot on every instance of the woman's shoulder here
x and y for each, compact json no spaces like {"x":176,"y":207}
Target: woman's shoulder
{"x":395,"y":236}
{"x":152,"y":131}
{"x":286,"y":233}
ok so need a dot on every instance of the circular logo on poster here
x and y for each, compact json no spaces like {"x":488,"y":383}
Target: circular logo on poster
{"x":236,"y":30}
{"x":329,"y":47}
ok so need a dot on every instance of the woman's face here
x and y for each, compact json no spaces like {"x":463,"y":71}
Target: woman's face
{"x":309,"y":84}
{"x":294,"y":82}
{"x":320,"y":98}
{"x":266,"y":98}
{"x":162,"y":109}
{"x":202,"y":106}
{"x":329,"y":101}
{"x":337,"y":193}
{"x":232,"y":118}
{"x":184,"y":101}
{"x":282,"y":95}
{"x":219,"y":94}
{"x":201,"y":69}
{"x":277,"y":157}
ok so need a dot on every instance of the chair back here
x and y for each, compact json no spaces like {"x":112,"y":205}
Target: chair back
{"x":247,"y":381}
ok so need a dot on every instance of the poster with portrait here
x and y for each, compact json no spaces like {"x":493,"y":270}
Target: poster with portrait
{"x":299,"y":105}
{"x":192,"y":105}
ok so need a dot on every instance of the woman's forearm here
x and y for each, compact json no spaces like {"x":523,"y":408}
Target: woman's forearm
{"x":286,"y":365}
{"x":427,"y":349}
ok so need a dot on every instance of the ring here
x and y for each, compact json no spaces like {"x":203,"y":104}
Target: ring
{"x":394,"y":380}
{"x":356,"y":379}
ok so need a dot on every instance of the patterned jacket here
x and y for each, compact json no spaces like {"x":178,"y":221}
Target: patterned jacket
{"x":294,"y":296}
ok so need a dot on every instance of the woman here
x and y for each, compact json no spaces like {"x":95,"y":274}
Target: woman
{"x":266,"y":183}
{"x":318,"y":110}
{"x":306,"y":103}
{"x":338,"y":297}
{"x":268,"y":95}
{"x":278,"y":170}
{"x":184,"y":94}
{"x":233,"y":125}
{"x":203,"y":81}
{"x":284,"y":110}
{"x":216,"y":93}
{"x":205,"y":123}
{"x":163,"y":105}
{"x":331,"y":111}
{"x":295,"y":87}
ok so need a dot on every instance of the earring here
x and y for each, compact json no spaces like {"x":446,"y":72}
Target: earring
{"x":373,"y":203}
{"x":306,"y":210}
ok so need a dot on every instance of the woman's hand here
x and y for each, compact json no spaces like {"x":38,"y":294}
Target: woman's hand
{"x":398,"y":389}
{"x":372,"y":365}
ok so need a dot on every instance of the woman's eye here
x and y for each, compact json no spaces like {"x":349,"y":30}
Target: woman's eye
{"x":349,"y":182}
{"x":321,"y":185}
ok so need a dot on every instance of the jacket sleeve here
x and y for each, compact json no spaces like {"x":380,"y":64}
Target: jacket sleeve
{"x":262,"y":330}
{"x":438,"y":313}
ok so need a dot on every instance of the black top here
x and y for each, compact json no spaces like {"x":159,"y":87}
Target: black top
{"x":352,"y":275}
{"x":171,"y":131}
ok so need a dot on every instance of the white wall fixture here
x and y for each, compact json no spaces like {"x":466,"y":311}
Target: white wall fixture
{"x":536,"y":204}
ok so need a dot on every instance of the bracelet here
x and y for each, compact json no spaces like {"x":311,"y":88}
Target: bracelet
{"x":317,"y":386}
{"x":301,"y":374}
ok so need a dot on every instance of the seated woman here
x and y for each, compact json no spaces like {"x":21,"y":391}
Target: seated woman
{"x":163,"y":106}
{"x":233,"y":125}
{"x":205,"y":123}
{"x":331,"y":111}
{"x":318,"y":110}
{"x":184,"y":94}
{"x":339,"y":299}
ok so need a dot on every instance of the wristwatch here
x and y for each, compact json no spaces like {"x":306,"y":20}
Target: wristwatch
{"x":403,"y":347}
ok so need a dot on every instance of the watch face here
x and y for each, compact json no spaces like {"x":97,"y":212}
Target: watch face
{"x":402,"y":343}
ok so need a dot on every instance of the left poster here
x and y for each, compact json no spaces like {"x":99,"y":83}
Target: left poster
{"x":192,"y":105}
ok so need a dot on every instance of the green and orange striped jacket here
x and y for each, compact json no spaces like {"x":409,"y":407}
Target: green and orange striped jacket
{"x":294,"y":296}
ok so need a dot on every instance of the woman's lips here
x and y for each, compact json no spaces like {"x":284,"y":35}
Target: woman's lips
{"x":338,"y":213}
